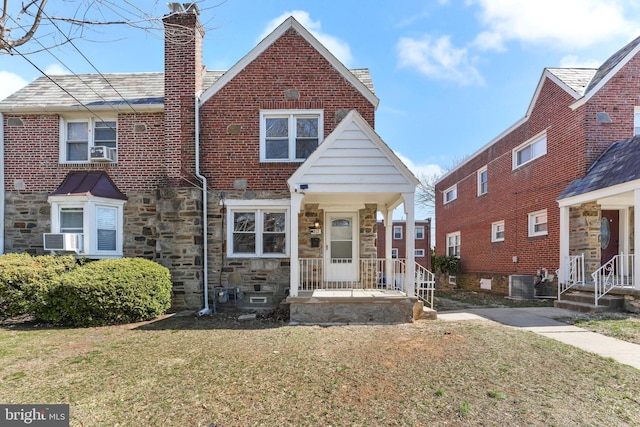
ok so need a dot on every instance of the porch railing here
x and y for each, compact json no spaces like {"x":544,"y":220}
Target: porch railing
{"x":617,"y":273}
{"x":575,"y":276}
{"x":374,"y":273}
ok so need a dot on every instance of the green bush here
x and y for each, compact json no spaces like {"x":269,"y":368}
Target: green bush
{"x":109,"y":291}
{"x":25,"y":280}
{"x":447,"y":264}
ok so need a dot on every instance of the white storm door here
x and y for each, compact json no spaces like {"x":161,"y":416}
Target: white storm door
{"x":341,"y":249}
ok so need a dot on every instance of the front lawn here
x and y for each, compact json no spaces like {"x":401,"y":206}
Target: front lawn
{"x":214,"y":370}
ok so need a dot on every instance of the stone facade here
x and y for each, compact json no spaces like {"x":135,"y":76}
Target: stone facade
{"x":584,"y":235}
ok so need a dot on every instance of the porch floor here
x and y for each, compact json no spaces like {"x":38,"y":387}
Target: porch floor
{"x":352,"y":293}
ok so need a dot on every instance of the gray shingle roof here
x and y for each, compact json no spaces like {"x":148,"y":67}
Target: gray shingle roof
{"x":576,"y":78}
{"x":141,"y":90}
{"x":611,"y":63}
{"x":619,"y":163}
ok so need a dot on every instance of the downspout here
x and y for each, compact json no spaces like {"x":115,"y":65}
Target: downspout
{"x":205,"y":263}
{"x":1,"y":183}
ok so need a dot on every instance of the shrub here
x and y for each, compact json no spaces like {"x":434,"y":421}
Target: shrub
{"x":25,"y":280}
{"x":447,"y":264}
{"x":109,"y":291}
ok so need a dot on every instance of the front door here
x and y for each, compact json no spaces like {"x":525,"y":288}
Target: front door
{"x":341,"y":247}
{"x":609,"y":235}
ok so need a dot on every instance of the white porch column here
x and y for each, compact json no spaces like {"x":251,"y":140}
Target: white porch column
{"x":296,"y":206}
{"x":565,"y":234}
{"x":387,"y":217}
{"x":410,"y":244}
{"x":636,"y":238}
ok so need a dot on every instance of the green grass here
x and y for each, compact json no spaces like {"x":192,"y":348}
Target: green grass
{"x":197,"y":371}
{"x":625,"y":327}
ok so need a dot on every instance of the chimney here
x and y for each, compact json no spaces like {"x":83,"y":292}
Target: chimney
{"x":183,"y":73}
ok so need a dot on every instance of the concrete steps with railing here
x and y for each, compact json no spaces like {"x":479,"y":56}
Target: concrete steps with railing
{"x":584,"y":302}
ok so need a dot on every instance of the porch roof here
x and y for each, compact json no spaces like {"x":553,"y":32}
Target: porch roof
{"x":97,"y":184}
{"x":353,"y":165}
{"x":618,"y":164}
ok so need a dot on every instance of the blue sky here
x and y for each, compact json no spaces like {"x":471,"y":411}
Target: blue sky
{"x":450,"y":74}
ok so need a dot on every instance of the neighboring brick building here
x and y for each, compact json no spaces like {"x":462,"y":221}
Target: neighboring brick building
{"x":243,"y":178}
{"x":422,"y":232}
{"x":498,"y":211}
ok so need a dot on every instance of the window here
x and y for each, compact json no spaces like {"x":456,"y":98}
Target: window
{"x":538,"y":223}
{"x":78,"y":135}
{"x":99,"y":220}
{"x":289,"y":135}
{"x":397,"y":232}
{"x":450,"y":194}
{"x":420,"y":232}
{"x":636,"y":121}
{"x":497,"y":231}
{"x":419,"y":253}
{"x":453,"y":244}
{"x":482,"y":181}
{"x":256,"y":231}
{"x":394,"y":253}
{"x":530,"y":150}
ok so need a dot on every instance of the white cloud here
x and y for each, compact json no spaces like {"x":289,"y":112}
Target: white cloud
{"x":337,"y":47}
{"x":55,"y":69}
{"x":573,"y":61}
{"x":438,"y":58}
{"x":420,"y":170}
{"x":573,"y":24}
{"x":10,"y":83}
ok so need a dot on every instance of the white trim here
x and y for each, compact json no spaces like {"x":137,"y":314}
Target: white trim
{"x":531,"y":223}
{"x":495,"y":231}
{"x":418,"y":253}
{"x":539,"y":138}
{"x":423,"y":228}
{"x":291,"y":116}
{"x":458,"y":241}
{"x":268,"y":41}
{"x":479,"y":180}
{"x":91,"y":122}
{"x":451,"y":190}
{"x":258,"y":209}
{"x":602,"y":193}
{"x":397,"y":227}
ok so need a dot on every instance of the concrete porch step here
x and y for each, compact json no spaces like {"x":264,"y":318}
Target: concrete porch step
{"x":585,"y":302}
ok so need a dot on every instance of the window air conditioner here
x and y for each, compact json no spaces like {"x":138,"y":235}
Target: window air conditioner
{"x":63,"y":242}
{"x":100,"y":153}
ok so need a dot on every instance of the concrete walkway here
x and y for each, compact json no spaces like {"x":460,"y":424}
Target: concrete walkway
{"x":541,"y":320}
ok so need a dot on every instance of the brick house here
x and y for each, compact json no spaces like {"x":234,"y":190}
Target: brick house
{"x":422,"y":246}
{"x":521,"y":207}
{"x":264,"y":180}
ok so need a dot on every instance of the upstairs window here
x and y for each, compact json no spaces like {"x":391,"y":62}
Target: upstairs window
{"x":78,"y":135}
{"x":483,"y":186}
{"x":420,"y":232}
{"x":397,"y":232}
{"x":289,"y":136}
{"x":636,"y":122}
{"x":450,"y":194}
{"x":530,"y":150}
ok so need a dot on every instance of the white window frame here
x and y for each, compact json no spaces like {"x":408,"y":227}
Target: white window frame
{"x":453,"y":191}
{"x":419,"y":253}
{"x":497,"y":228}
{"x":397,"y":232}
{"x":89,"y":206}
{"x":394,"y":253}
{"x":537,"y":145}
{"x":259,"y":207}
{"x":535,"y":220}
{"x":91,"y":126}
{"x":636,"y":120}
{"x":419,"y":232}
{"x":453,"y":244}
{"x":483,"y":186}
{"x":291,"y":115}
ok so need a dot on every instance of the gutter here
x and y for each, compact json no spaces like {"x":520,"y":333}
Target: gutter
{"x":205,"y":245}
{"x":2,"y":191}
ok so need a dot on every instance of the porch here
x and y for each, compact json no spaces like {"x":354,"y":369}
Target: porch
{"x":378,"y":297}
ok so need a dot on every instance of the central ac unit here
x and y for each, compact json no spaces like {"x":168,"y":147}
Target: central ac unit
{"x":101,"y":153}
{"x":71,"y":242}
{"x":521,"y":286}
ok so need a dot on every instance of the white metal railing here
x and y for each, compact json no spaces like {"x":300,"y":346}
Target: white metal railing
{"x":617,"y":273}
{"x":425,"y":284}
{"x":374,"y":273}
{"x":575,"y":276}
